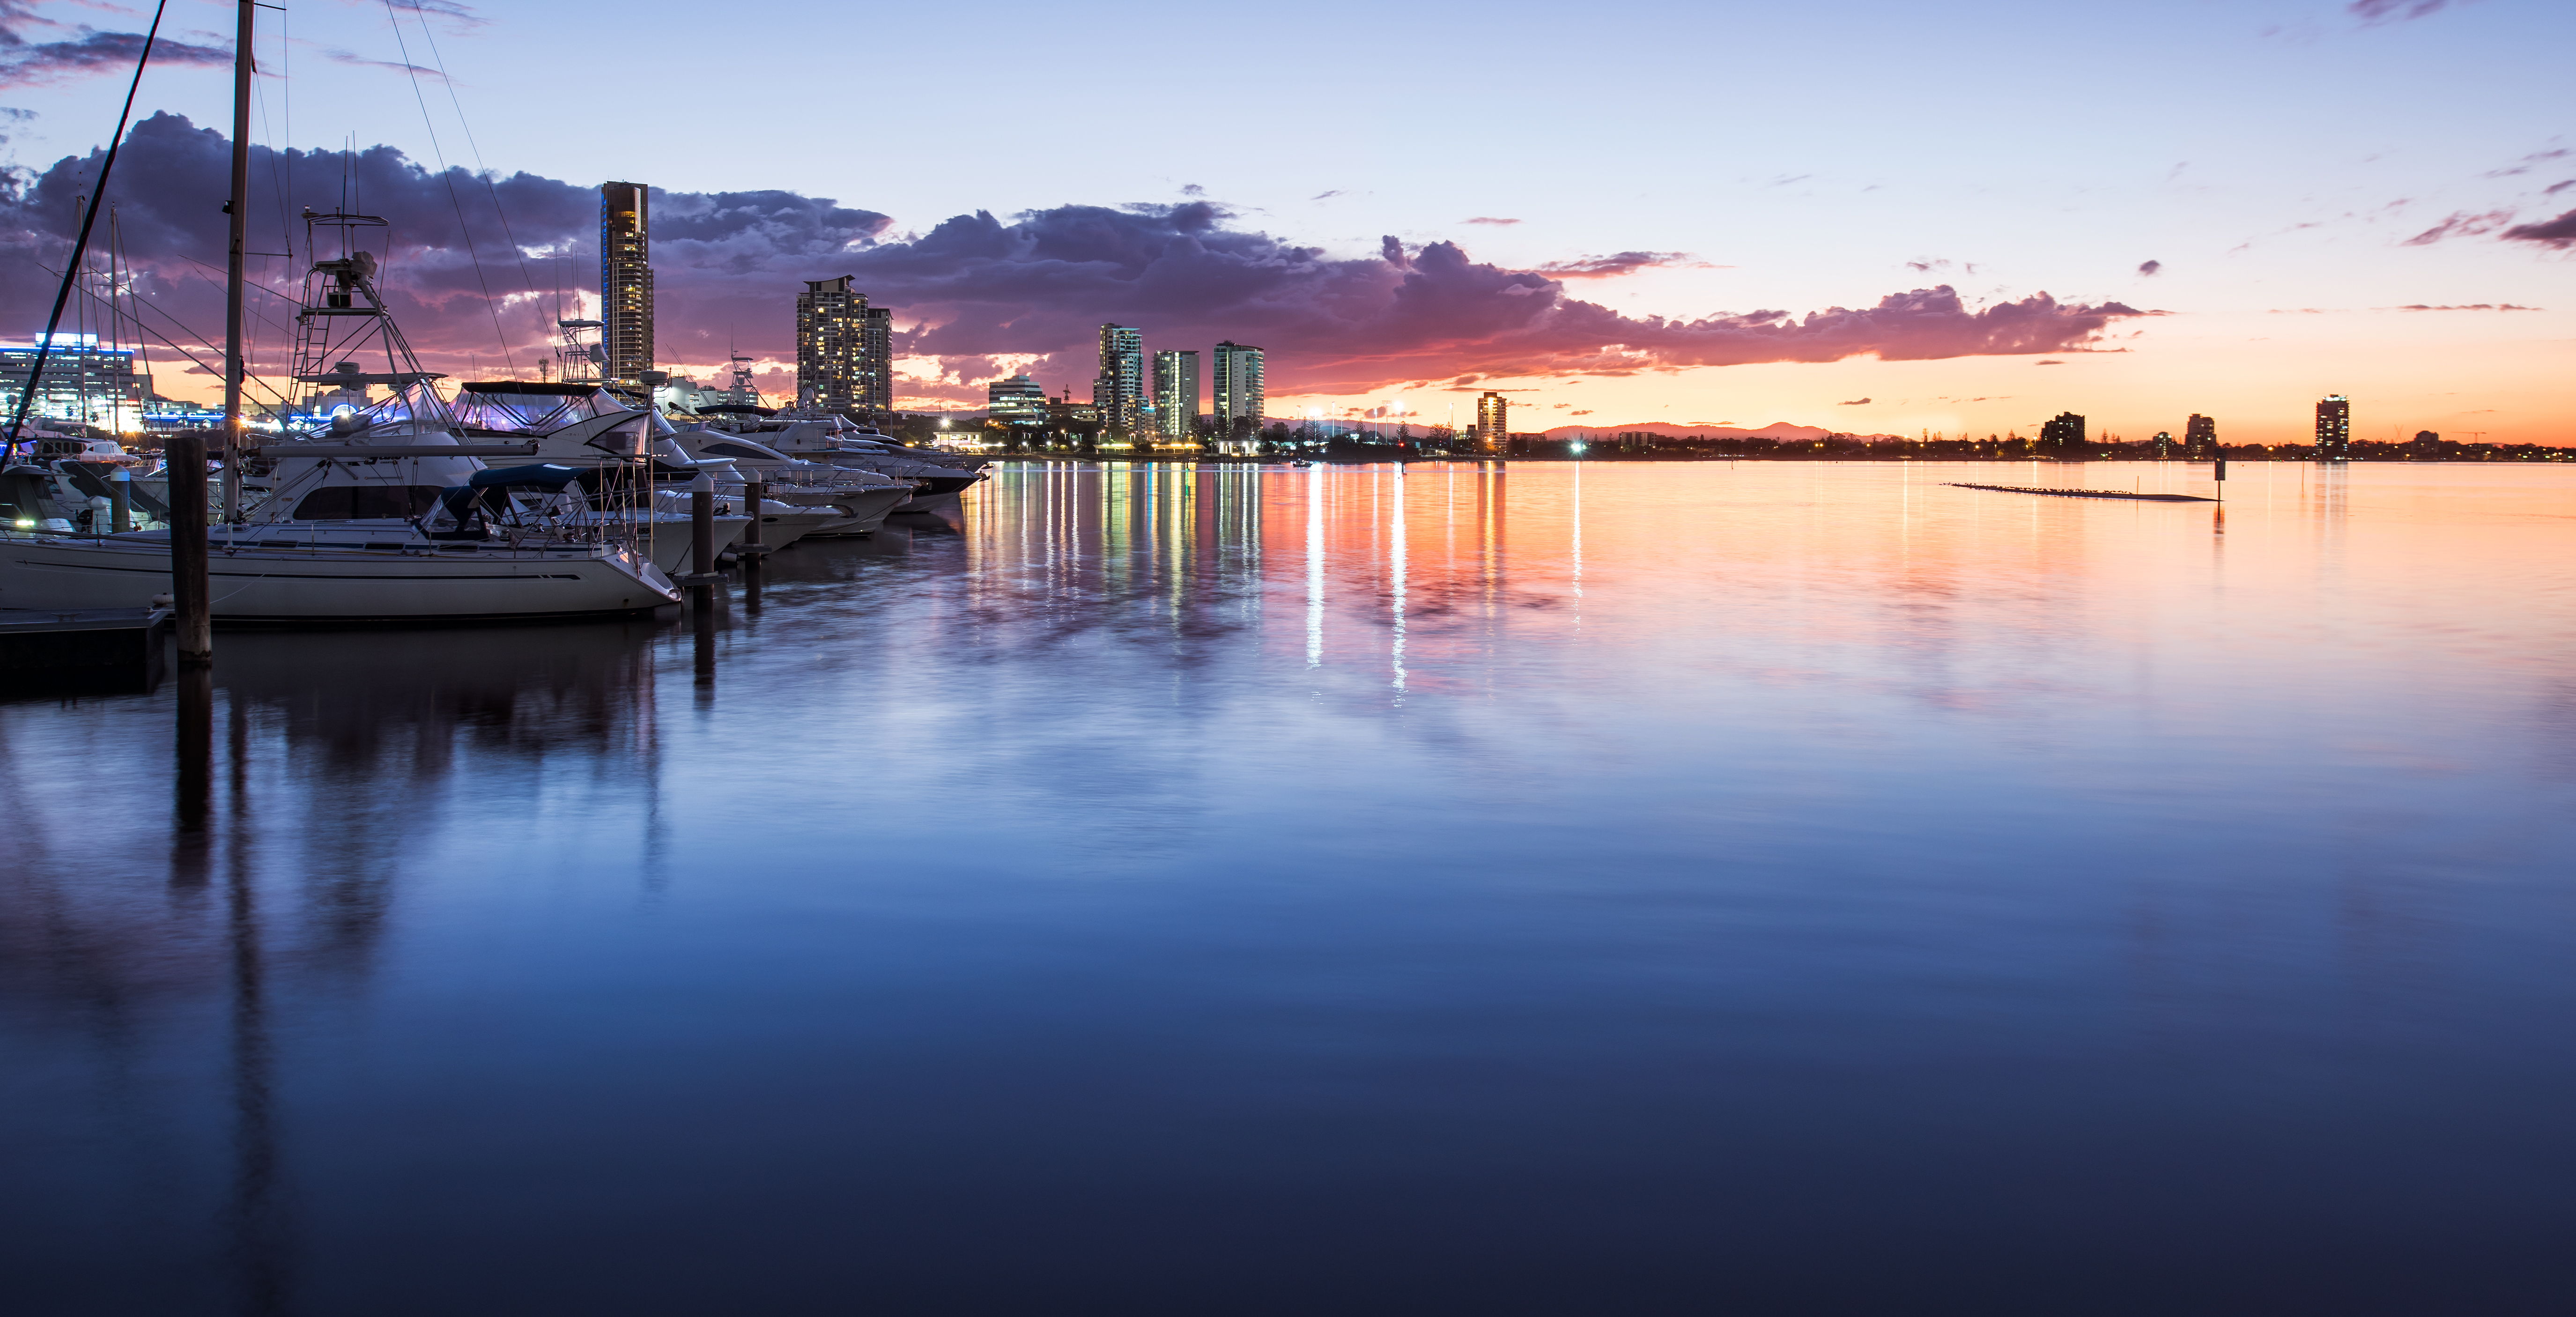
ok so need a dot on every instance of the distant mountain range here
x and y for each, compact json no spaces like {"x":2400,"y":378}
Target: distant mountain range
{"x":1777,"y":430}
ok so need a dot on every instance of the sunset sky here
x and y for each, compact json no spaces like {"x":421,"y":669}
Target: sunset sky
{"x":1868,"y":216}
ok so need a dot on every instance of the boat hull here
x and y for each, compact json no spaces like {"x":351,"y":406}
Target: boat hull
{"x":867,"y":512}
{"x":323,"y":586}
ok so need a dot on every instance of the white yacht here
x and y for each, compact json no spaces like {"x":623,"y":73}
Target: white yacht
{"x":582,"y":424}
{"x":830,"y":439}
{"x":384,"y":516}
{"x":855,"y":502}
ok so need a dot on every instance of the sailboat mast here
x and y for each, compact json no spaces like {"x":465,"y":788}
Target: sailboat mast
{"x":239,"y":207}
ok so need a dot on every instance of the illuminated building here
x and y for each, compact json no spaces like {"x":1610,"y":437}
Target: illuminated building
{"x":1493,"y":422}
{"x":1018,"y":400}
{"x":626,"y":280}
{"x":2334,"y":428}
{"x":2065,"y":434}
{"x":2164,"y":442}
{"x":844,"y":349}
{"x":1176,"y":393}
{"x":1118,"y":392}
{"x":1240,"y":389}
{"x":84,"y":383}
{"x":2199,"y":438}
{"x":875,"y":391}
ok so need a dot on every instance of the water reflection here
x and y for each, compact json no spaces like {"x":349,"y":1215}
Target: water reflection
{"x":1168,"y":874}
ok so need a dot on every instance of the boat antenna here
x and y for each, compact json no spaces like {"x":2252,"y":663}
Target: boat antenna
{"x":80,"y":245}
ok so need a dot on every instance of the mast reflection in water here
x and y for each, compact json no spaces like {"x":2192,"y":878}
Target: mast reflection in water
{"x":1634,"y":888}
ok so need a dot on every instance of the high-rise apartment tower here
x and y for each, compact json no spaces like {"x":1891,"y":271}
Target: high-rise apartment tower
{"x":1119,"y":390}
{"x":2065,"y":434}
{"x":626,"y":280}
{"x":844,"y":349}
{"x":2334,"y":428}
{"x":1176,"y":393}
{"x":2200,"y":438}
{"x":1240,"y":389}
{"x":1493,"y":422}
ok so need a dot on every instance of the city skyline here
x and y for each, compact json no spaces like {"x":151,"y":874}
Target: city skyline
{"x":1816,"y":269}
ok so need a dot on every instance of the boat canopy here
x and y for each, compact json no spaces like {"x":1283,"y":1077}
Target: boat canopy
{"x":460,"y":502}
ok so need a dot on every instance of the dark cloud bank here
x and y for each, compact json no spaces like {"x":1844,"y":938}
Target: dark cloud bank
{"x":975,"y":286}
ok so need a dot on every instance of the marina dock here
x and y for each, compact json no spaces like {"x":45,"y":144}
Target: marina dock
{"x":35,"y":640}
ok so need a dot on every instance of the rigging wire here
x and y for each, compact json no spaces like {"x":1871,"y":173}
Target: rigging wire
{"x":480,"y":168}
{"x":71,"y":267}
{"x":170,"y":343}
{"x":395,"y":18}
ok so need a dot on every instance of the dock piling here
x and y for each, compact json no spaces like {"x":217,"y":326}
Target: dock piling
{"x":195,"y":619}
{"x":120,"y":499}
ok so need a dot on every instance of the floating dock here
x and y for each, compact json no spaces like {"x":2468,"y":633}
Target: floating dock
{"x":2086,"y":493}
{"x":38,"y":640}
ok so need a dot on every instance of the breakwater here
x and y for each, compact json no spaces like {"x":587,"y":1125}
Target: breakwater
{"x":2085,"y":493}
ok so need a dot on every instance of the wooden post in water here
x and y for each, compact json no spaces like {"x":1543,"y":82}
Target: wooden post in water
{"x":752,"y":491}
{"x":702,"y":530}
{"x":120,"y":501}
{"x":187,"y":469}
{"x":2222,"y":480}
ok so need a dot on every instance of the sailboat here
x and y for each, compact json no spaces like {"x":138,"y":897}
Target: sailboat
{"x":379,"y":514}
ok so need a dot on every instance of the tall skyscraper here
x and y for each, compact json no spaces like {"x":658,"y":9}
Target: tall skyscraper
{"x":2334,"y":428}
{"x":1018,"y":400}
{"x":2064,"y":434}
{"x":844,"y":349}
{"x":1493,"y":422}
{"x":876,"y":359}
{"x":626,"y":280}
{"x":1240,"y":389}
{"x":2199,"y":439}
{"x":1176,"y":393}
{"x":1119,"y":390}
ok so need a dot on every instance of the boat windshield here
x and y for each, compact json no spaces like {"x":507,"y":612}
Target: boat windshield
{"x":512,"y":407}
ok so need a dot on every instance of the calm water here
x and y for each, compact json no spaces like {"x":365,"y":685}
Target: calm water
{"x":1767,"y":888}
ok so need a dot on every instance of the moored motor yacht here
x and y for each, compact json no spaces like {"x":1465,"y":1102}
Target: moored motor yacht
{"x":831,"y":439}
{"x":632,"y":448}
{"x":381,"y":516}
{"x":858,"y":500}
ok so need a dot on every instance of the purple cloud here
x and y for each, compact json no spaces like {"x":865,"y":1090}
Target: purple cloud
{"x":1611,"y":267}
{"x":2559,"y":233}
{"x":1856,"y":402}
{"x":2375,"y":12}
{"x":2461,"y":224}
{"x":2150,"y":268}
{"x":971,"y":291}
{"x":2471,"y":306}
{"x":27,"y":64}
{"x":1490,"y":219}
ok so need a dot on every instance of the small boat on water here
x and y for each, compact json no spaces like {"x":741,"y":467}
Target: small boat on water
{"x":72,"y":479}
